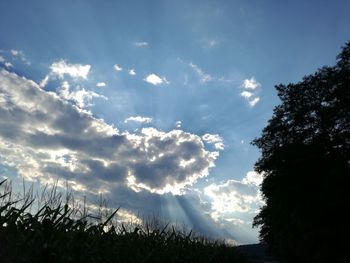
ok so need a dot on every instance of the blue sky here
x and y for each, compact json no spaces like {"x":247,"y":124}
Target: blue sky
{"x":154,"y":103}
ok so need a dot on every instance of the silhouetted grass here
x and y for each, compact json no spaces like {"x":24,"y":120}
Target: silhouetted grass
{"x":64,"y":232}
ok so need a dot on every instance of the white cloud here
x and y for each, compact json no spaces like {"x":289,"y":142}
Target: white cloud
{"x":132,"y":72}
{"x":139,"y":119}
{"x":250,"y":84}
{"x":45,"y":138}
{"x":141,"y":44}
{"x":246,"y":94}
{"x":204,"y":77}
{"x":2,"y":59}
{"x":250,"y":96}
{"x":178,"y":124}
{"x":100,"y":84}
{"x":117,"y":67}
{"x":214,"y":139}
{"x":44,"y":81}
{"x":235,"y":196}
{"x":253,"y":177}
{"x":155,"y":80}
{"x":8,"y":64}
{"x":61,"y":68}
{"x":81,"y":97}
{"x":254,"y":101}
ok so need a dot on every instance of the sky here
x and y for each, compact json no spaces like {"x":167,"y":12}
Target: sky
{"x":154,"y":103}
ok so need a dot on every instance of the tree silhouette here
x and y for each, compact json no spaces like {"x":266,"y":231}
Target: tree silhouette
{"x":305,"y":161}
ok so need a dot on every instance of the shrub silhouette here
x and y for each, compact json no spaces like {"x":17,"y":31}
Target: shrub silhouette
{"x":305,"y":162}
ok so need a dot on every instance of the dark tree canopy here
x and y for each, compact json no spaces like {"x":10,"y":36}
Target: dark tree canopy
{"x":306,"y":166}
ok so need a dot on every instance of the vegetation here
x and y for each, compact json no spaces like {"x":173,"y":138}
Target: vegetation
{"x":65,"y":232}
{"x":306,"y":166}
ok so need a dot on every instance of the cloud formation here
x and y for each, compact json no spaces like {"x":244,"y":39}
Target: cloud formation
{"x":155,"y":80}
{"x":214,"y":139}
{"x":235,"y":196}
{"x":249,"y":93}
{"x":178,"y":124}
{"x":20,"y":55}
{"x":62,"y":68}
{"x":141,"y":44}
{"x":100,"y":84}
{"x":132,"y":72}
{"x":81,"y":97}
{"x":251,"y":84}
{"x":139,"y":119}
{"x":204,"y":77}
{"x":6,"y":63}
{"x":117,"y":67}
{"x":45,"y":138}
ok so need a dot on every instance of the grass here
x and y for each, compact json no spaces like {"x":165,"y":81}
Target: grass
{"x":51,"y":228}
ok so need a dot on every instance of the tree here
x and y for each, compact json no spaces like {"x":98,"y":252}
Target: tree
{"x":305,"y":161}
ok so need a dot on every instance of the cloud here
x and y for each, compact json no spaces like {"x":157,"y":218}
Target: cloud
{"x":155,"y":80}
{"x":178,"y":124}
{"x":250,"y":96}
{"x":141,"y":44}
{"x":81,"y":97}
{"x":254,"y":101}
{"x":62,"y":68}
{"x":132,"y":72}
{"x":204,"y":77}
{"x":214,"y":139}
{"x":44,"y":81}
{"x":45,"y":138}
{"x":250,"y":84}
{"x":117,"y":67}
{"x":19,"y":54}
{"x":14,"y":52}
{"x":246,"y":94}
{"x":235,"y":196}
{"x":253,"y":177}
{"x":139,"y":119}
{"x":5,"y":62}
{"x":170,"y":156}
{"x":100,"y":84}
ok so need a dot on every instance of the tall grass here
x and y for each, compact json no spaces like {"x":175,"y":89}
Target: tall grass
{"x":52,"y":227}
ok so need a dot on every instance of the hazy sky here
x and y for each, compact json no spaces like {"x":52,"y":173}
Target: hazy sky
{"x":155,"y":103}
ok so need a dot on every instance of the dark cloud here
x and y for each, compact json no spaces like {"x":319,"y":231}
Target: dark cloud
{"x":61,"y":141}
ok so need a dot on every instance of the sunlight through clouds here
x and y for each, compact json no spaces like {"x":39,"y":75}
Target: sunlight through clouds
{"x":91,"y":151}
{"x":214,"y":139}
{"x":81,"y":97}
{"x":235,"y":196}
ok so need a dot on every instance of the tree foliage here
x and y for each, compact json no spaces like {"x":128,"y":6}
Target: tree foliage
{"x":306,"y":166}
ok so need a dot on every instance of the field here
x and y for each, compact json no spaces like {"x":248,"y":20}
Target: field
{"x":50,"y":228}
